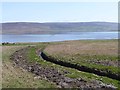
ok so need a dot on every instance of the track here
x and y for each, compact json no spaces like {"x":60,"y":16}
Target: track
{"x":53,"y":75}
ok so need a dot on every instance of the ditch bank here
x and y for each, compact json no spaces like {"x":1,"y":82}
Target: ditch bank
{"x":81,"y":68}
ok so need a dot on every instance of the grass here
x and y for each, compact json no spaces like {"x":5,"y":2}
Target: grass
{"x":15,"y":77}
{"x":91,"y":47}
{"x":81,"y":53}
{"x":23,"y":79}
{"x":73,"y":73}
{"x":82,"y":61}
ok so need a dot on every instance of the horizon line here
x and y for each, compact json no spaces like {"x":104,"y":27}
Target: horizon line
{"x":57,"y":22}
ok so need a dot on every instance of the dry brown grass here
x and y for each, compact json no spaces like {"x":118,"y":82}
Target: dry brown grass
{"x":80,"y":47}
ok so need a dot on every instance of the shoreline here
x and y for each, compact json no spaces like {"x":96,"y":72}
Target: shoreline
{"x":58,"y":41}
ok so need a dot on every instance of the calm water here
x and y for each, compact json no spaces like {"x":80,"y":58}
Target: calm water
{"x":60,"y":37}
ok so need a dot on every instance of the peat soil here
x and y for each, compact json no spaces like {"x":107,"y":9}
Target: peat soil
{"x":54,"y":75}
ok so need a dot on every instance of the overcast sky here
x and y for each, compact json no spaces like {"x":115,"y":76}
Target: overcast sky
{"x":59,"y":11}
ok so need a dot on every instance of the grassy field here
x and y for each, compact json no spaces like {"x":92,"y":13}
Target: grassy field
{"x":73,"y":73}
{"x":15,"y":77}
{"x":80,"y":52}
{"x":101,"y":55}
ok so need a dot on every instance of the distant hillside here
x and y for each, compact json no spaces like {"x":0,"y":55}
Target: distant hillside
{"x":55,"y":28}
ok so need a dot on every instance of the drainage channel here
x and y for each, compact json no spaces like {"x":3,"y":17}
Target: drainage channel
{"x":80,"y":68}
{"x":53,"y":75}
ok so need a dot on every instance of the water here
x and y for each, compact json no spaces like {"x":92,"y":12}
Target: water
{"x":60,"y":37}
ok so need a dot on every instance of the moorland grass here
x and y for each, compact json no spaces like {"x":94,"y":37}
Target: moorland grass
{"x":24,"y":79}
{"x":68,"y":52}
{"x":73,"y":73}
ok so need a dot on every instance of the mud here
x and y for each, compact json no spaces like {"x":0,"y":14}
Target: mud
{"x":54,"y":75}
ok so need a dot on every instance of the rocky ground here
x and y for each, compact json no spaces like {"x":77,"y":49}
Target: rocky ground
{"x":54,"y":75}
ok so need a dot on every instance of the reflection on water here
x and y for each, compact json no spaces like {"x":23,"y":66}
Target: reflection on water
{"x":60,"y":37}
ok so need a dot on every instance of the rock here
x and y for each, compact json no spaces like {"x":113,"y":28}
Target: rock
{"x":29,"y":68}
{"x":108,"y":87}
{"x":111,"y":86}
{"x":68,"y":80}
{"x":81,"y":80}
{"x":20,"y":56}
{"x":37,"y":77}
{"x":64,"y":85}
{"x":17,"y":60}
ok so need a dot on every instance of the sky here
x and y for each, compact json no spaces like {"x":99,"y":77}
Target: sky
{"x":59,"y":11}
{"x":59,"y":0}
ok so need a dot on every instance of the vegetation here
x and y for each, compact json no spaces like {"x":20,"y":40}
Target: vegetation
{"x":95,"y":55}
{"x":73,"y":73}
{"x":22,"y":78}
{"x":15,"y":77}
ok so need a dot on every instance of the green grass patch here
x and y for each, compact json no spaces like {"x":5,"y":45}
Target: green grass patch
{"x":81,"y":60}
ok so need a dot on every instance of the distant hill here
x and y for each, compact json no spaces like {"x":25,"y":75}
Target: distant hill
{"x":56,"y":28}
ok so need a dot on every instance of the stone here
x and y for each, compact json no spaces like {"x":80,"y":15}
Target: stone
{"x":64,"y":85}
{"x":68,"y":80}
